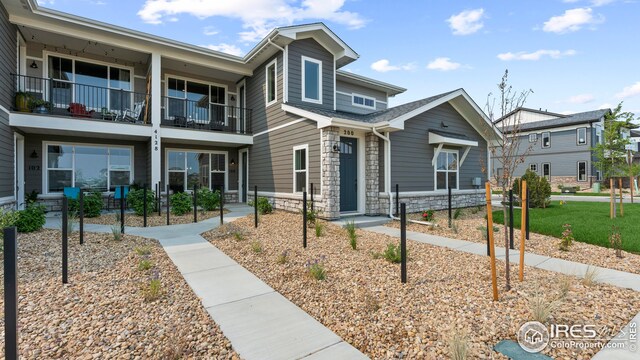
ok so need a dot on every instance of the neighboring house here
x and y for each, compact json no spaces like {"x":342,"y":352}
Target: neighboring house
{"x":560,"y":145}
{"x":127,"y":107}
{"x":635,"y":145}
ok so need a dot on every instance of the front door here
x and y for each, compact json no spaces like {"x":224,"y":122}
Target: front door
{"x":244,"y":184}
{"x":348,"y":174}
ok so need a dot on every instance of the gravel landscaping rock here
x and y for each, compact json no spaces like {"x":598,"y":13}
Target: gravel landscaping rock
{"x":363,"y":301}
{"x":132,"y":219}
{"x":101,"y":313}
{"x":469,"y":222}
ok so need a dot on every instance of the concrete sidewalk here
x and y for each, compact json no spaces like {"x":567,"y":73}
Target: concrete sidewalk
{"x":259,"y":322}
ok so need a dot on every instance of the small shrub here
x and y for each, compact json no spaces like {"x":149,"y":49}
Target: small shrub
{"x":541,"y":308}
{"x":312,"y":215}
{"x":7,"y":219}
{"x":73,"y":223}
{"x":371,"y":302}
{"x":31,"y":219}
{"x":457,"y":213}
{"x":353,"y":237}
{"x":427,"y":215}
{"x":180,"y":203}
{"x":483,"y":230}
{"x":392,"y":253}
{"x":238,"y":235}
{"x":135,"y":199}
{"x":319,"y":228}
{"x":115,"y":231}
{"x":256,"y":246}
{"x":539,"y":189}
{"x":590,"y":276}
{"x":564,"y":286}
{"x":264,"y":206}
{"x":458,"y":345}
{"x":209,"y":200}
{"x":454,"y":226}
{"x":315,"y":268}
{"x":92,"y":205}
{"x":31,"y":197}
{"x":615,"y":239}
{"x":153,"y":290}
{"x":143,"y":251}
{"x":145,"y":265}
{"x":567,"y":238}
{"x":283,"y":257}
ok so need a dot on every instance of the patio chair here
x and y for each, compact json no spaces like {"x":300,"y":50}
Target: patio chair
{"x":116,"y":196}
{"x":72,"y":193}
{"x":79,"y":110}
{"x":135,"y":114}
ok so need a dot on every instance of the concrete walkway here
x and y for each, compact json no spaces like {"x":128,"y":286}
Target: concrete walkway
{"x":259,"y":322}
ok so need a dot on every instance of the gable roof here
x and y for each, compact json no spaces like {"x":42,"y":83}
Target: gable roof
{"x":563,"y":120}
{"x":349,"y":77}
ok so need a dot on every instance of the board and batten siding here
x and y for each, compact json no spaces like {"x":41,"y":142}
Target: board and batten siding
{"x":344,"y":102}
{"x":271,"y":157}
{"x":7,"y":66}
{"x":263,"y":117}
{"x":411,"y":153}
{"x":35,"y":168}
{"x":309,"y":48}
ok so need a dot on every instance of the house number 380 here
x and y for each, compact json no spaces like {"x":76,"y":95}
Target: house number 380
{"x":348,"y":132}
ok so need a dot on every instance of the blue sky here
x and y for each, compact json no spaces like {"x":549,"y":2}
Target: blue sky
{"x":576,"y":55}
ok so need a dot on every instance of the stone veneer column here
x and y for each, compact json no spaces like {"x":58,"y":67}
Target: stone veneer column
{"x":372,"y":171}
{"x":330,"y":172}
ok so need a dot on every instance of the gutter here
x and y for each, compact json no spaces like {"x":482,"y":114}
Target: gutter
{"x":387,"y":169}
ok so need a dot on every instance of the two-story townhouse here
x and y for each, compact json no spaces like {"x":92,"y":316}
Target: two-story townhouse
{"x":558,"y":146}
{"x":123,"y":107}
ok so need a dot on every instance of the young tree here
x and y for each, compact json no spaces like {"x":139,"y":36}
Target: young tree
{"x":506,"y":152}
{"x":611,"y":152}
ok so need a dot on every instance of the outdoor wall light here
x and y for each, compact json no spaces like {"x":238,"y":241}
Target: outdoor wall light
{"x":443,"y":125}
{"x":34,"y":155}
{"x":233,"y":162}
{"x":33,"y":65}
{"x":336,"y":147}
{"x":233,"y":98}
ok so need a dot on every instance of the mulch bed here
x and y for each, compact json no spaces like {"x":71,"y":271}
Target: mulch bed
{"x":472,"y":219}
{"x":131,"y":219}
{"x":363,"y":301}
{"x":101,"y":313}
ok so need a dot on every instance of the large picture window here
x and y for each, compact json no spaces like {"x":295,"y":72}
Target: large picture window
{"x":311,"y":80}
{"x":188,"y":168}
{"x":271,"y":85}
{"x":91,"y":167}
{"x":447,"y":170}
{"x":300,"y":168}
{"x":196,"y":101}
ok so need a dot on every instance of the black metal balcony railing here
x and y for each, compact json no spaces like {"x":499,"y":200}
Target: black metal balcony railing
{"x":203,"y":115}
{"x":63,"y":98}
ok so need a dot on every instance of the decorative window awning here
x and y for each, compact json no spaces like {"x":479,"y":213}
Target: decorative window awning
{"x":442,"y":138}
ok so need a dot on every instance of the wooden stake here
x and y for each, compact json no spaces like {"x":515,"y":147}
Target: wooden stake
{"x":621,"y":206}
{"x":492,"y":249}
{"x":523,"y":225}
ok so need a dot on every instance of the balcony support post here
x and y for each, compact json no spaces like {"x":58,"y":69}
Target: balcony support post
{"x":156,"y":148}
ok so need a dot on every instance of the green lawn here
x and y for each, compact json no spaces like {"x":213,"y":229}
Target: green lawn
{"x":589,"y":221}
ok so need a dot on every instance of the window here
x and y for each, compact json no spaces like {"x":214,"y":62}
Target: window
{"x":185,"y":169}
{"x":582,"y":171}
{"x":598,"y":175}
{"x":300,"y":171}
{"x":546,"y":171}
{"x":271,"y":83}
{"x":533,"y":167}
{"x":581,"y":136}
{"x":533,"y":138}
{"x":598,"y":135}
{"x":199,"y":102}
{"x":99,"y":168}
{"x":447,"y":170}
{"x":546,"y":140}
{"x":311,"y":80}
{"x":364,"y":101}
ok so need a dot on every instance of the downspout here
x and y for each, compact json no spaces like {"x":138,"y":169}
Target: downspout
{"x":285,"y":80}
{"x":387,"y":169}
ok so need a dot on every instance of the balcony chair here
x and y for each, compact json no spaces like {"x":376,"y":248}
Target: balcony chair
{"x":79,"y":110}
{"x":116,"y":196}
{"x":135,"y":114}
{"x":72,"y":192}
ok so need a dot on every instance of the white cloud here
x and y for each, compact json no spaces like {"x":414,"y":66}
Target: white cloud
{"x":605,"y":106}
{"x":383,"y":65}
{"x":46,"y":2}
{"x":466,"y":22}
{"x":210,"y":31}
{"x":581,"y":99}
{"x":536,"y":55}
{"x":571,"y":20}
{"x":596,"y":3}
{"x":629,"y":91}
{"x":225,"y":48}
{"x":443,"y":64}
{"x":257,"y":16}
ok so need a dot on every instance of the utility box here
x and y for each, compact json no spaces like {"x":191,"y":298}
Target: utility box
{"x":476,"y":181}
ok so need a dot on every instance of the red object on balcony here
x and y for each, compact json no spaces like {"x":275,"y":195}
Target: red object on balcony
{"x":77,"y":109}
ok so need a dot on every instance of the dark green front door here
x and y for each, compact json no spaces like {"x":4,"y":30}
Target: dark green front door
{"x":348,"y":174}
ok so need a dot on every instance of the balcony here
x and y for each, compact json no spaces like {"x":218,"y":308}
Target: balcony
{"x":203,"y":115}
{"x":44,"y":96}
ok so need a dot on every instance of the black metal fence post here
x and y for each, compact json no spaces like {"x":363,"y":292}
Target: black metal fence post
{"x":168,"y":205}
{"x":195,"y":203}
{"x":122,"y":209}
{"x":304,"y":219}
{"x":65,"y":224}
{"x":403,"y":243}
{"x":397,"y":200}
{"x":144,"y":204}
{"x":222,"y":206}
{"x":10,"y":294}
{"x":159,"y":198}
{"x":449,"y":204}
{"x":511,"y":219}
{"x":527,"y":215}
{"x":255,"y":205}
{"x":81,"y":215}
{"x":311,"y":196}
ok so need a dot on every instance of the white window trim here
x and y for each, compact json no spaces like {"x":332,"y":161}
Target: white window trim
{"x":531,"y":165}
{"x":274,"y":62}
{"x":210,"y":152}
{"x":306,"y":170}
{"x":45,"y":163}
{"x":365,"y":98}
{"x":548,"y":177}
{"x":304,"y":95}
{"x":535,"y":137}
{"x":436,"y":171}
{"x":542,"y":140}
{"x":578,"y":136}
{"x":586,"y":171}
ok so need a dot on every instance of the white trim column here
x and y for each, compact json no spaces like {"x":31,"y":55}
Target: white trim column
{"x":156,"y":103}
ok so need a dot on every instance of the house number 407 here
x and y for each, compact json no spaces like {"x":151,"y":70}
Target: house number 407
{"x":347,"y":132}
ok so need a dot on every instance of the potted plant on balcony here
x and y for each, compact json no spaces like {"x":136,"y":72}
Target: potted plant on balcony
{"x":22,"y":101}
{"x":40,"y":106}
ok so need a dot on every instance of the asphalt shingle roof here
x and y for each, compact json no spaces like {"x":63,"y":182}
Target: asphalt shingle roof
{"x":571,"y":119}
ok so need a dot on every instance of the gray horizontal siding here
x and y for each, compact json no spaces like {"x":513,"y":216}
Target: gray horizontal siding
{"x":561,"y":164}
{"x":262,"y":116}
{"x":411,"y":153}
{"x":309,"y":48}
{"x":7,"y":166}
{"x":7,"y":59}
{"x":271,"y":157}
{"x":345,"y":102}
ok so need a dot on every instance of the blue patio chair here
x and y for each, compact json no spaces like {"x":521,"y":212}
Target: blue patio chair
{"x":117,"y":195}
{"x":72,"y":192}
